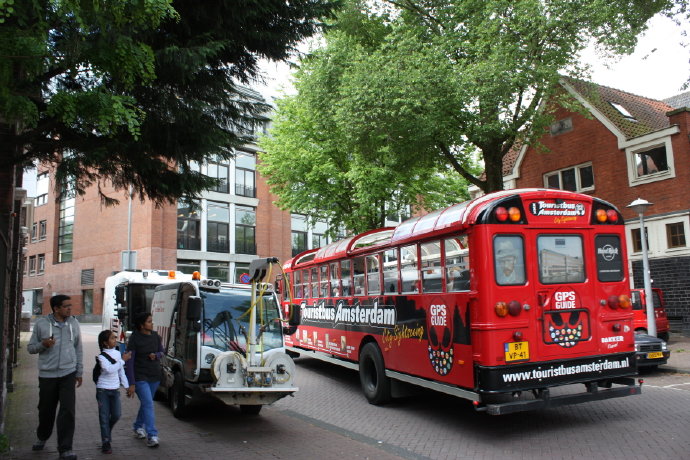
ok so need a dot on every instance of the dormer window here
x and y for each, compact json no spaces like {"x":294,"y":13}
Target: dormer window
{"x":623,"y":111}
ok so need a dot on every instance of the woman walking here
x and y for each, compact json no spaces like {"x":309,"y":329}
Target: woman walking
{"x":144,"y":374}
{"x":108,"y":386}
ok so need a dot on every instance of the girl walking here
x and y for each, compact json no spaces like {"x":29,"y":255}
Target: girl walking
{"x":108,"y":386}
{"x":144,"y":374}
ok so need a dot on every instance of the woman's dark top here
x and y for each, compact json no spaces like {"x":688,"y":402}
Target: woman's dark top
{"x":139,"y":366}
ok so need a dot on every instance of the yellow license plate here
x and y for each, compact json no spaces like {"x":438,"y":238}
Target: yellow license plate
{"x":655,"y":354}
{"x":516,"y":351}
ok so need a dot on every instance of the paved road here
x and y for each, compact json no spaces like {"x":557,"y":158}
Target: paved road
{"x":330,"y":419}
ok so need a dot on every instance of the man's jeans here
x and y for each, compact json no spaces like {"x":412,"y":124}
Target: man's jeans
{"x":52,"y":391}
{"x":145,"y":417}
{"x":109,"y":411}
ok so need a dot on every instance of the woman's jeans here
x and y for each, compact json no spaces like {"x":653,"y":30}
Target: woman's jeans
{"x":109,"y":411}
{"x":145,"y":417}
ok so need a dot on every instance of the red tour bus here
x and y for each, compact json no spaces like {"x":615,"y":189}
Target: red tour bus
{"x":497,"y":300}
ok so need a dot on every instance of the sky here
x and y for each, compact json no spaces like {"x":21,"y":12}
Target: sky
{"x":657,"y":69}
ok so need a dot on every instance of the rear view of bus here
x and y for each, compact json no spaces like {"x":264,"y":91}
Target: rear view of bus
{"x":514,"y":301}
{"x":555,"y":310}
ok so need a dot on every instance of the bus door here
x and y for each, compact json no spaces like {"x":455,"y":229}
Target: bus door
{"x":567,"y":307}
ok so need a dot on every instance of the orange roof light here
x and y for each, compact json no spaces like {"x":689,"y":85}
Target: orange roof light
{"x":514,"y":214}
{"x":196,"y":276}
{"x":601,"y":215}
{"x":171,"y":274}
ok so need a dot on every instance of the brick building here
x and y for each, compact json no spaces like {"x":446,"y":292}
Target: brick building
{"x":620,"y":148}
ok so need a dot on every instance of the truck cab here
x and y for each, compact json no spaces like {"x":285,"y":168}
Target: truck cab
{"x":639,"y":305}
{"x":222,"y":340}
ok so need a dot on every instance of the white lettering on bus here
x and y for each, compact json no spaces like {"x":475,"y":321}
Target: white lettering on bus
{"x":562,"y":370}
{"x":565,"y":300}
{"x":373,"y":315}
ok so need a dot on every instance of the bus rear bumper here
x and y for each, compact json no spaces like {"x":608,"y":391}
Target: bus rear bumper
{"x":612,"y":388}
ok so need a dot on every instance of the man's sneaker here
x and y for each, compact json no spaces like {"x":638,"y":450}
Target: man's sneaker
{"x":68,"y":455}
{"x":106,"y":449}
{"x":152,"y":441}
{"x":38,"y":445}
{"x":140,"y":433}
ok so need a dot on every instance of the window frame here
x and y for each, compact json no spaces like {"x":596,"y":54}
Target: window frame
{"x":578,"y":177}
{"x":632,"y":152}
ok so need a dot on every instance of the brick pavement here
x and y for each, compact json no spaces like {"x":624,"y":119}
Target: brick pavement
{"x":212,"y":429}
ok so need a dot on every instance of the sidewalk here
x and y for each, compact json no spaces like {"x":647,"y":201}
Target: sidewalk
{"x":679,"y":361}
{"x":215,"y":431}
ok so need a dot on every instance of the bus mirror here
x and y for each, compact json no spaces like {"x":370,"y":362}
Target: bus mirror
{"x":194,"y":309}
{"x":120,"y":295}
{"x":295,"y":315}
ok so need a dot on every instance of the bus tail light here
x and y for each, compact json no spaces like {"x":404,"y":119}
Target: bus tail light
{"x":601,"y":216}
{"x":514,"y":308}
{"x":613,"y":302}
{"x":612,"y":216}
{"x":501,"y":309}
{"x":616,"y":327}
{"x":624,"y":301}
{"x":517,"y":336}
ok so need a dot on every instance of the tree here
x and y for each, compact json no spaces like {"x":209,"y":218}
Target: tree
{"x":453,"y":79}
{"x":127,"y":91}
{"x":313,"y":160}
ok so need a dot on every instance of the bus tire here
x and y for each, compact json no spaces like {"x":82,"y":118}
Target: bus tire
{"x":372,"y":375}
{"x":250,"y":409}
{"x":177,"y":398}
{"x":664,"y":336}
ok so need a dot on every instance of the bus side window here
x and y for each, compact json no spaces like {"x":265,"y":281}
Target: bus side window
{"x":325,"y":292}
{"x":335,"y":282}
{"x":345,"y":277}
{"x":457,"y":264}
{"x":373,"y":275}
{"x":298,"y":286}
{"x":390,"y":271}
{"x":358,"y":275}
{"x":432,"y":275}
{"x":408,"y":269}
{"x":314,"y":282}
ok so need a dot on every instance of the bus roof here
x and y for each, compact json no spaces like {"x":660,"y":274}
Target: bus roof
{"x":453,"y":218}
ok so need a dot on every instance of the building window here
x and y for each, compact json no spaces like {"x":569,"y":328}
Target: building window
{"x":87,"y":277}
{"x":188,"y":266}
{"x":318,"y":236}
{"x":245,"y":230}
{"x":66,"y":225}
{"x":299,"y":233}
{"x":637,"y":241}
{"x":675,"y":235}
{"x":87,"y":299}
{"x":42,"y":230}
{"x":42,"y":183}
{"x":188,"y":226}
{"x":32,"y":265}
{"x":219,"y":169}
{"x":25,"y":266}
{"x":240,"y":269}
{"x":576,"y":179}
{"x":651,"y":161}
{"x":38,"y":302}
{"x":41,"y":264}
{"x":561,"y":126}
{"x":218,"y":270}
{"x":218,"y":227}
{"x":245,"y":174}
{"x":34,"y":232}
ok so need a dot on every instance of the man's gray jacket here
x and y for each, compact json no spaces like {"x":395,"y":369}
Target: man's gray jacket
{"x":66,"y":355}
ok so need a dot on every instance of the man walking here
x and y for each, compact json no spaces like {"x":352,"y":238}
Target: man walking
{"x":57,"y":340}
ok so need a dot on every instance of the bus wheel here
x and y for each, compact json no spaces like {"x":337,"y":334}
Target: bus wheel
{"x":250,"y":409}
{"x":663,"y":336}
{"x":178,"y":402}
{"x":372,"y":375}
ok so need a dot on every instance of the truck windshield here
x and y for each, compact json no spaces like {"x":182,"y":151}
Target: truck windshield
{"x":226,"y":320}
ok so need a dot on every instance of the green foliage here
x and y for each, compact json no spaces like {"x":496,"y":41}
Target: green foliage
{"x":322,"y":158}
{"x":444,"y":82}
{"x":125,"y":91}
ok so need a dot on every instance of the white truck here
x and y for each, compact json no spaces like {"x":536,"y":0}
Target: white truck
{"x":222,"y":340}
{"x":129,"y":292}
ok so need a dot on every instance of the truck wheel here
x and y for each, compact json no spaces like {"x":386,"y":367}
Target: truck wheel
{"x":178,"y":401}
{"x":372,"y":375}
{"x":250,"y":409}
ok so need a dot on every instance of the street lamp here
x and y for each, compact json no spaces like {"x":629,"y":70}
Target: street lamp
{"x":640,"y":206}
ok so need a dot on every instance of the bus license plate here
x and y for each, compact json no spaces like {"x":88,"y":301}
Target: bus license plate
{"x":655,"y":355}
{"x":516,"y":351}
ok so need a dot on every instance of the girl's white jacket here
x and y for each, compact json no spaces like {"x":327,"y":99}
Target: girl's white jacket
{"x":112,"y":375}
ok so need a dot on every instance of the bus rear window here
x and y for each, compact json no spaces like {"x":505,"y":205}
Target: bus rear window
{"x":509,"y":260}
{"x":560,"y":259}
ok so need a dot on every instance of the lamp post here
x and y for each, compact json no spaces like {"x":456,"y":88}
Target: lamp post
{"x":640,"y":206}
